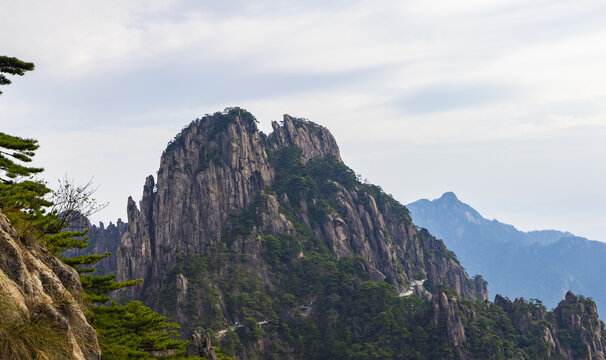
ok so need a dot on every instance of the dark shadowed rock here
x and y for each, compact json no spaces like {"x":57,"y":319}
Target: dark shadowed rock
{"x":200,"y":345}
{"x":446,"y":309}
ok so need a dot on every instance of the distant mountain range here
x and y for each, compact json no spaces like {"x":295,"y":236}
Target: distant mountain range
{"x":537,"y":264}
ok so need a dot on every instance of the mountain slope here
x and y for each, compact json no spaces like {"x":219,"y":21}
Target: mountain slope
{"x":537,"y":264}
{"x":264,"y":212}
{"x":271,"y":247}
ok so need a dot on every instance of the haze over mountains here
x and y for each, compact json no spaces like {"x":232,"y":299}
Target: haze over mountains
{"x":537,"y":264}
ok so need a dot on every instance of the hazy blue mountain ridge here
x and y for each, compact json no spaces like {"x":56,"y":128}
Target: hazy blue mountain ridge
{"x":537,"y":264}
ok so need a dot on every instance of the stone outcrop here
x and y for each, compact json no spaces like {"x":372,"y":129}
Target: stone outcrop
{"x":481,"y":286}
{"x":224,"y":207}
{"x":314,"y":140}
{"x":200,"y":345}
{"x":575,"y":332}
{"x":219,"y":164}
{"x":104,"y":239}
{"x":136,"y":244}
{"x":37,"y":290}
{"x":446,"y":309}
{"x":220,"y":169}
{"x":579,"y":317}
{"x":572,"y":331}
{"x":210,"y":169}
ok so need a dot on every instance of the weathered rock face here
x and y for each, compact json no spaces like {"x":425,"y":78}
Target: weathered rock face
{"x":200,"y":345}
{"x":226,"y":200}
{"x":38,"y":291}
{"x":481,"y":286}
{"x":218,"y":165}
{"x":228,"y":237}
{"x":446,"y":309}
{"x":579,"y":318}
{"x":572,"y":331}
{"x":214,"y":166}
{"x":315,"y":141}
{"x":134,"y":252}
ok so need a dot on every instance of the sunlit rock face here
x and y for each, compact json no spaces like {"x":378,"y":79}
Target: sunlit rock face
{"x":38,"y":290}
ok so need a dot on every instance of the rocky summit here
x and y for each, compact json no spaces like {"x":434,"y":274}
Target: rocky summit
{"x":221,"y":167}
{"x":231,"y":197}
{"x":270,"y":247}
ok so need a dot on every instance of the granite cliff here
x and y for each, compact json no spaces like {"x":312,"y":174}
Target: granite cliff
{"x":221,"y":165}
{"x":230,"y":195}
{"x":271,"y":247}
{"x":41,"y":308}
{"x":508,"y":329}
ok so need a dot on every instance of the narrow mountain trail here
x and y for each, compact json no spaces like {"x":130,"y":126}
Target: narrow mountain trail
{"x":220,"y":333}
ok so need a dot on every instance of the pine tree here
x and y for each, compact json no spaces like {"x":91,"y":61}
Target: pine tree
{"x":21,"y":197}
{"x":134,"y":331}
{"x":19,"y":149}
{"x":14,"y":148}
{"x":13,"y":66}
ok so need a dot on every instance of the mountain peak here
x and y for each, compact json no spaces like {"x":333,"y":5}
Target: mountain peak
{"x":222,"y":188}
{"x":449,"y":196}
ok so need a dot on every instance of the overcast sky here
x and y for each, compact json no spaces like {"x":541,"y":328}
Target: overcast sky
{"x":502,"y":102}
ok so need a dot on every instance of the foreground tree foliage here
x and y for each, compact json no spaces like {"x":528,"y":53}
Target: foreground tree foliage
{"x":14,"y":148}
{"x":134,"y":331}
{"x":22,"y":198}
{"x":13,"y":66}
